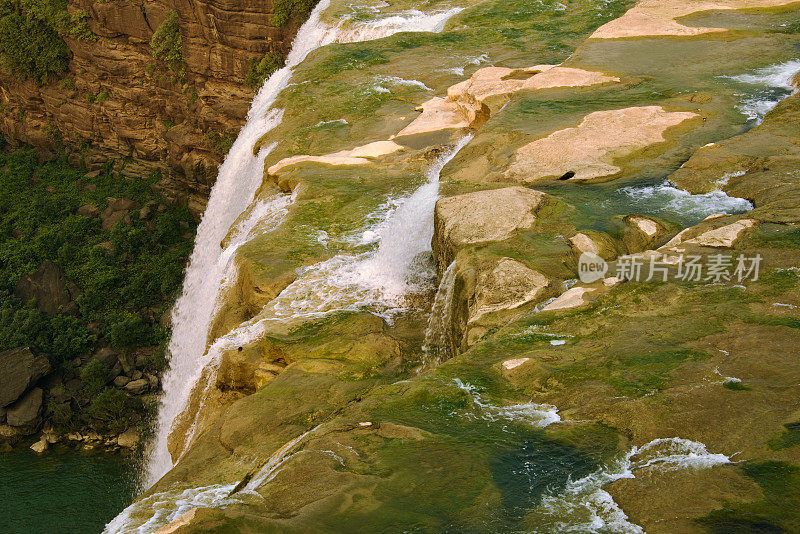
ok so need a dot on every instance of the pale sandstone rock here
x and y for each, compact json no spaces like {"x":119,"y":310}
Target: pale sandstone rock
{"x":482,"y":217}
{"x":469,"y":103}
{"x":611,"y":281}
{"x":507,"y":285}
{"x":588,"y":150}
{"x":723,"y":237}
{"x":177,"y":524}
{"x":657,"y":17}
{"x":647,"y":226}
{"x":357,"y":156}
{"x":513,"y":364}
{"x":40,"y":446}
{"x":128,"y":439}
{"x":584,"y":243}
{"x":572,"y":298}
{"x":437,"y":114}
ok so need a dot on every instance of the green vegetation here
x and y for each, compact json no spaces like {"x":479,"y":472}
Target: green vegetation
{"x":789,"y":438}
{"x":285,"y":10}
{"x":778,"y":512}
{"x":261,"y":69}
{"x":126,"y":277}
{"x":167,"y":43}
{"x":219,"y":142}
{"x":32,"y":37}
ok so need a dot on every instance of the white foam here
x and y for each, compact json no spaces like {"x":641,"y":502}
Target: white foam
{"x":769,"y":86}
{"x":584,"y":506}
{"x":666,"y":197}
{"x":534,"y":414}
{"x":379,"y":279}
{"x":402,"y":82}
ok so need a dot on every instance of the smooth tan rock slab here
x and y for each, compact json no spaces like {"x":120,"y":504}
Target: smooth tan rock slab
{"x":572,"y":298}
{"x":514,"y":363}
{"x":469,"y":103}
{"x":490,"y":82}
{"x":357,"y":156}
{"x":485,"y":216}
{"x":589,"y":149}
{"x":657,"y":18}
{"x":724,"y":237}
{"x":506,"y":285}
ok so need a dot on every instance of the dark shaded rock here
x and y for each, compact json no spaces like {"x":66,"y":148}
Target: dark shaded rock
{"x":127,"y":363}
{"x":107,"y":356}
{"x":117,"y":210}
{"x":25,"y":413}
{"x":2,"y":415}
{"x":88,"y":210}
{"x":153,"y":381}
{"x":121,"y":381}
{"x":20,"y":369}
{"x":137,"y":387}
{"x":48,"y":288}
{"x":114,"y":372}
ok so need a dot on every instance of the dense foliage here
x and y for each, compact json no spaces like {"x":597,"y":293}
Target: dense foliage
{"x":285,"y":10}
{"x":31,"y":37}
{"x":261,"y":69}
{"x":126,"y":277}
{"x":167,"y":42}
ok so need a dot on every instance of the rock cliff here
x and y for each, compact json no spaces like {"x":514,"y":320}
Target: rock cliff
{"x":117,"y":102}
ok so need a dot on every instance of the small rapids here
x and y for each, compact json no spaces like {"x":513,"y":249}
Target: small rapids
{"x":667,"y":199}
{"x":765,"y":88}
{"x":585,"y":507}
{"x":536,"y":415}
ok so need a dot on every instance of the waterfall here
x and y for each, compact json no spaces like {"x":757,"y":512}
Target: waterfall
{"x":438,"y":345}
{"x":379,"y":279}
{"x":239,"y":177}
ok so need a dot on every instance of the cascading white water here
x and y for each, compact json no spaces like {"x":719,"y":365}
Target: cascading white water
{"x":438,"y":343}
{"x":239,"y":178}
{"x":378,"y":279}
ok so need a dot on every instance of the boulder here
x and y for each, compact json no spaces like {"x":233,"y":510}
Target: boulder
{"x":25,"y":412}
{"x":20,"y":369}
{"x":137,"y":387}
{"x":642,"y":233}
{"x":121,"y":381}
{"x":482,"y":217}
{"x":505,"y":285}
{"x":40,"y":446}
{"x":572,"y":298}
{"x":589,"y":151}
{"x":127,"y":362}
{"x":88,"y":210}
{"x":117,"y":210}
{"x":128,"y":439}
{"x":49,"y":289}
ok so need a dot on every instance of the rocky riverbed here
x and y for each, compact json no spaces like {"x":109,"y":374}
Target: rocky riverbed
{"x":387,"y":322}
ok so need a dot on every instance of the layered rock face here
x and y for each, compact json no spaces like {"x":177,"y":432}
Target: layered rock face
{"x":117,"y":102}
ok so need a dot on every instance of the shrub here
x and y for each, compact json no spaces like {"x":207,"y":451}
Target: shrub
{"x":127,"y":329}
{"x":167,"y":43}
{"x":261,"y":69}
{"x":285,"y":10}
{"x":32,"y":49}
{"x":114,"y":410}
{"x":94,"y":375}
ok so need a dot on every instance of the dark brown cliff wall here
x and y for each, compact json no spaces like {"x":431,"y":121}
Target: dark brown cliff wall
{"x":118,"y":102}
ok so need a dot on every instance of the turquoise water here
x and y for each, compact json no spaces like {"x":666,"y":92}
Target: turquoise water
{"x":68,"y":493}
